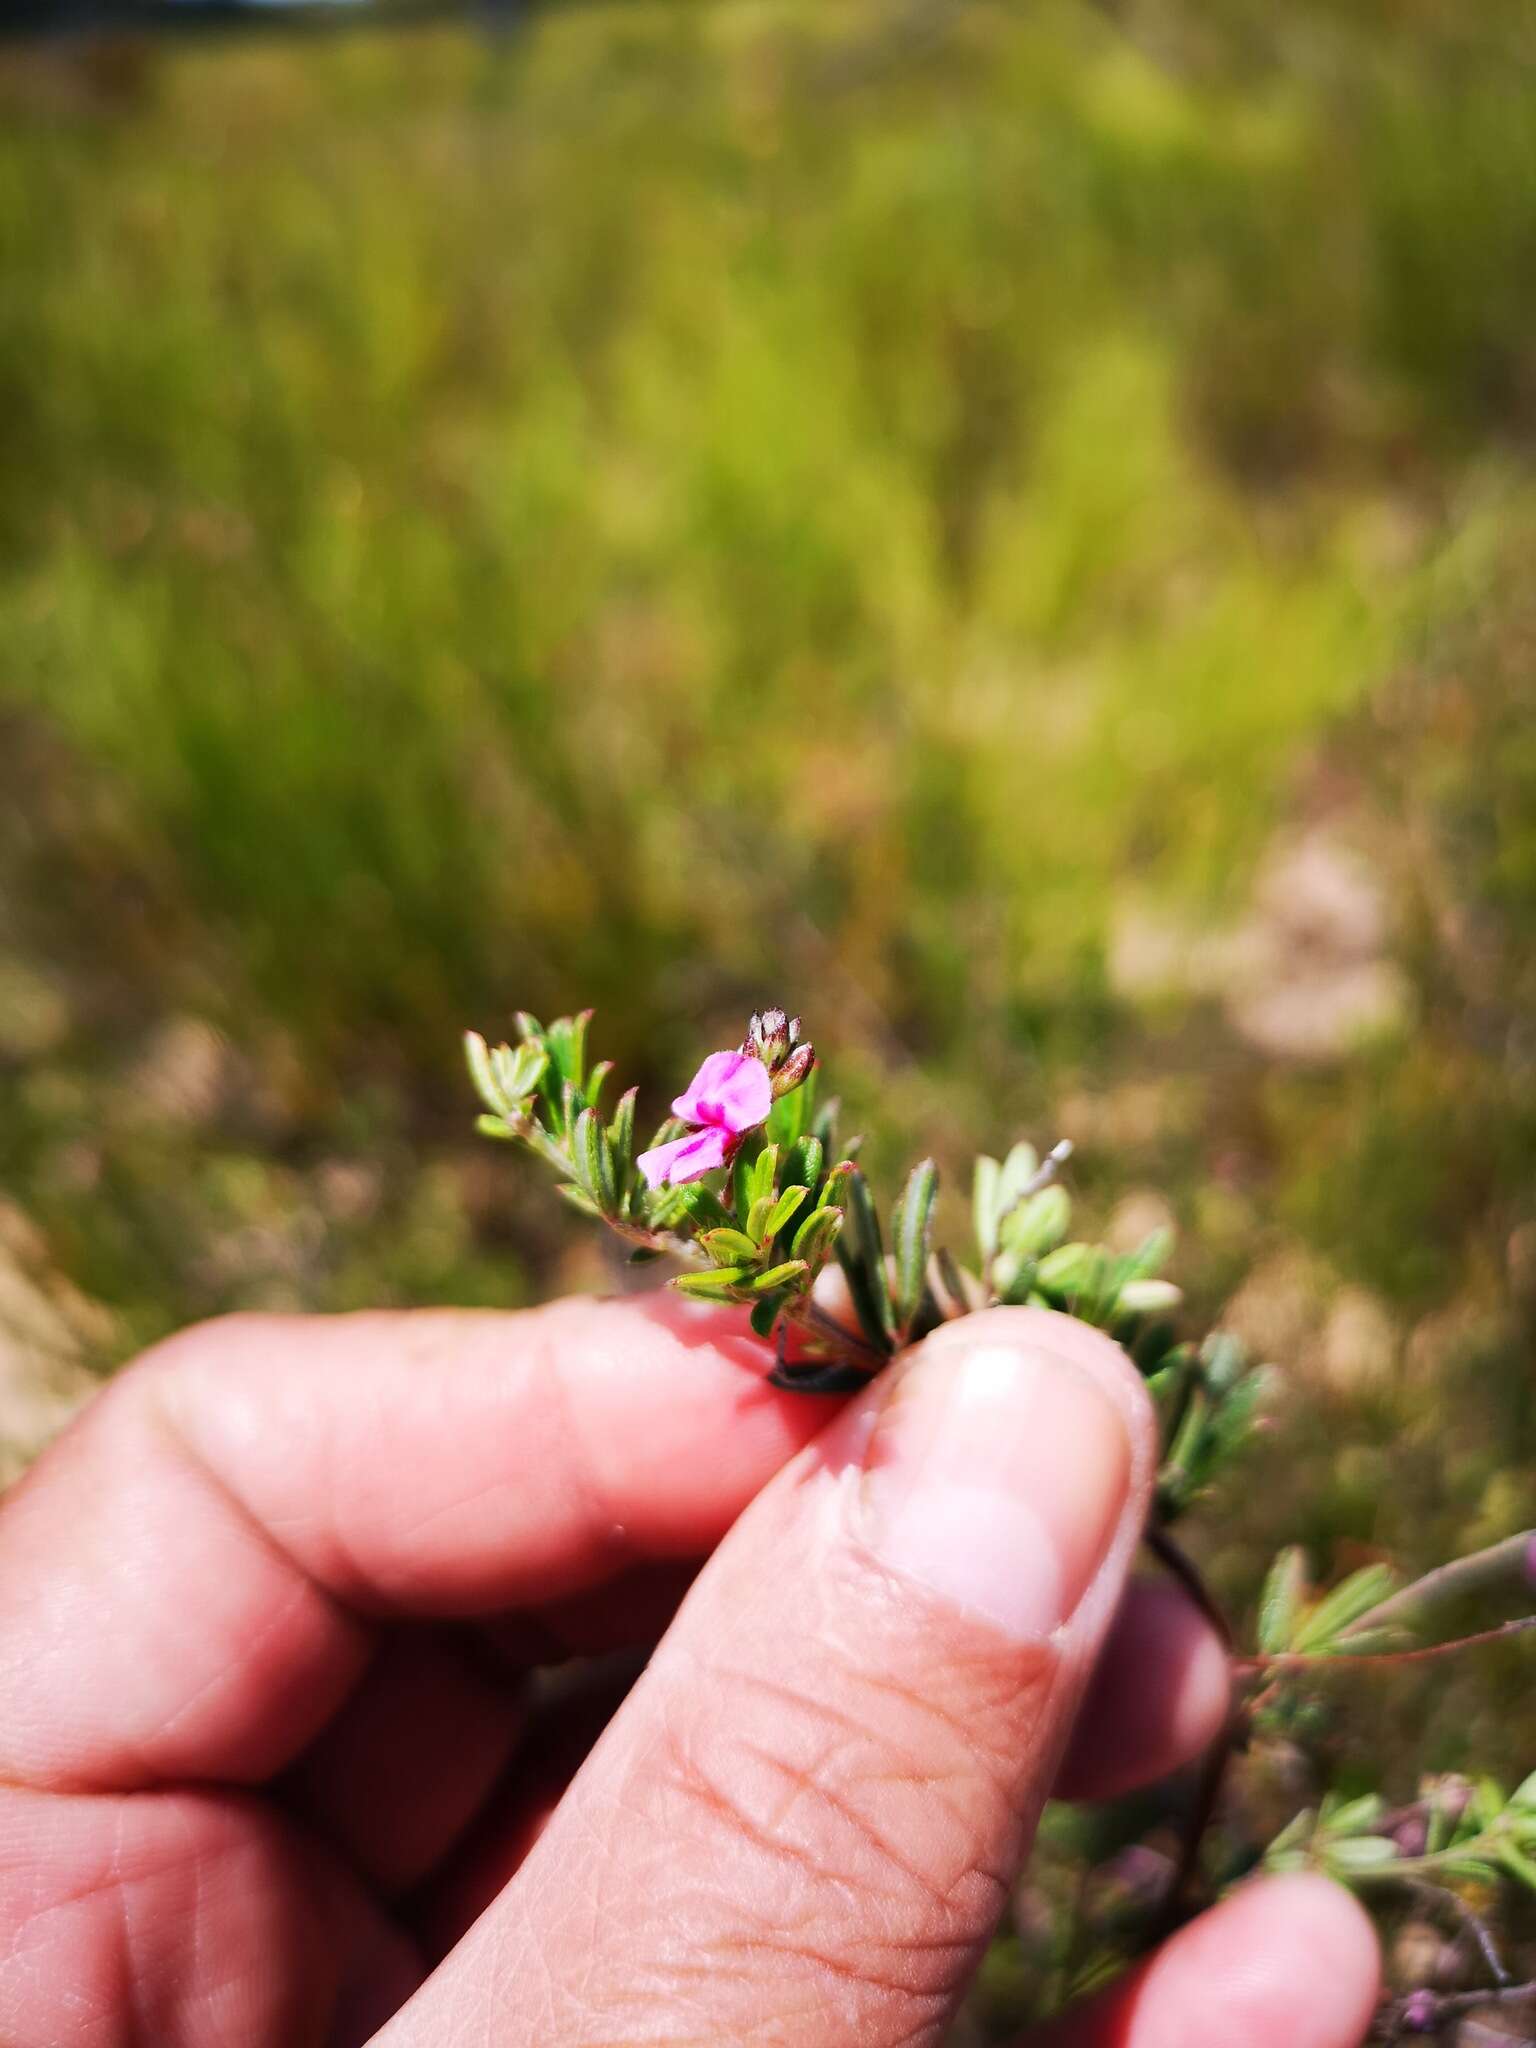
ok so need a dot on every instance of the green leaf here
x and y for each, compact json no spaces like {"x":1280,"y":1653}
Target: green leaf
{"x":804,"y":1161}
{"x":720,"y":1285}
{"x":764,"y":1167}
{"x":594,"y":1161}
{"x":1296,"y":1833}
{"x":1349,"y":1601}
{"x":1225,"y":1362}
{"x":1150,"y":1256}
{"x":727,"y":1246}
{"x":913,"y":1231}
{"x":494,"y":1127}
{"x":984,"y":1204}
{"x":1068,"y":1270}
{"x":477,"y":1055}
{"x":1358,"y":1854}
{"x":1518,"y":1864}
{"x":621,"y":1139}
{"x":579,"y":1199}
{"x":778,"y":1276}
{"x":1036,"y":1226}
{"x":1149,"y":1297}
{"x":701,"y":1207}
{"x":757,"y":1219}
{"x":1280,"y":1604}
{"x":792,"y":1114}
{"x":743,"y":1166}
{"x":595,"y":1081}
{"x":567,"y":1042}
{"x":817,"y":1235}
{"x":862,"y":1257}
{"x":1488,"y":1802}
{"x":1018,"y":1170}
{"x":765,"y":1313}
{"x":1236,"y":1414}
{"x":1524,"y":1794}
{"x":784,"y":1211}
{"x":1351,"y":1816}
{"x":517,"y":1074}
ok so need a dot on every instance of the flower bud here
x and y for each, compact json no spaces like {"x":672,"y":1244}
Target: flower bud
{"x":1448,"y":1796}
{"x":1411,"y":1835}
{"x":1420,"y":2013}
{"x":794,"y":1070}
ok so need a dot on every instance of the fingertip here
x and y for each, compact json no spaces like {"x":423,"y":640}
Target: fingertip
{"x":1283,"y":1962}
{"x":1315,"y":1925}
{"x":1159,"y":1696}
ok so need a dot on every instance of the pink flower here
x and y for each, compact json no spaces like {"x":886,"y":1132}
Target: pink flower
{"x":730,"y":1095}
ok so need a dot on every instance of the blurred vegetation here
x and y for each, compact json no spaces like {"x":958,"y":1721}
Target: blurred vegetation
{"x":1004,"y":528}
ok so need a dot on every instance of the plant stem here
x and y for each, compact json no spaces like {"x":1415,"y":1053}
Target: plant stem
{"x":1182,"y":1567}
{"x":1481,"y":1572}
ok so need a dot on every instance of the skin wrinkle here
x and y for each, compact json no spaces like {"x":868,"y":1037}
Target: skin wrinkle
{"x":734,"y":1679}
{"x":965,"y":1899}
{"x":112,"y":1877}
{"x":678,"y":1772}
{"x":808,"y":1783}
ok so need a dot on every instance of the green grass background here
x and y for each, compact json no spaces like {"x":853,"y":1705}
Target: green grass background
{"x":705,"y":503}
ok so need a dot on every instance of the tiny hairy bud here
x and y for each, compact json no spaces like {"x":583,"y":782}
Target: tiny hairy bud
{"x":768,"y":1036}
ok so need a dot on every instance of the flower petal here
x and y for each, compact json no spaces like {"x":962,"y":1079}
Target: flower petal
{"x":731,"y":1091}
{"x":685,"y":1159}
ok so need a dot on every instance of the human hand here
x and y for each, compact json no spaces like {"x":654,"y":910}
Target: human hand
{"x":269,"y":1742}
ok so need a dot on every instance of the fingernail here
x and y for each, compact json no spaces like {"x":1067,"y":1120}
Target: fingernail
{"x":996,"y":1477}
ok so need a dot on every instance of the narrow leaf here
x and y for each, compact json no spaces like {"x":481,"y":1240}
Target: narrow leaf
{"x":588,"y":1146}
{"x":764,"y":1168}
{"x":913,"y":1229}
{"x":817,"y":1235}
{"x":477,"y":1055}
{"x":984,"y":1204}
{"x":862,"y":1256}
{"x":1350,"y":1601}
{"x":594,"y":1086}
{"x":719,"y":1285}
{"x":1358,"y":1854}
{"x":728,"y":1247}
{"x":1038,"y":1225}
{"x":621,"y":1138}
{"x":778,"y":1276}
{"x":1280,"y":1603}
{"x":784,"y":1211}
{"x":765,"y":1313}
{"x":804,"y":1161}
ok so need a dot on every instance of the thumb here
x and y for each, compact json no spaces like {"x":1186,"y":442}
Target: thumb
{"x":802,"y":1825}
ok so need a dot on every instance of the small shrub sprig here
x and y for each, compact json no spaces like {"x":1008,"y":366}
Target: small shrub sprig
{"x":750,"y":1189}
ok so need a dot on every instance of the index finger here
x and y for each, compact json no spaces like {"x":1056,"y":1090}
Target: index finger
{"x":186,"y":1577}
